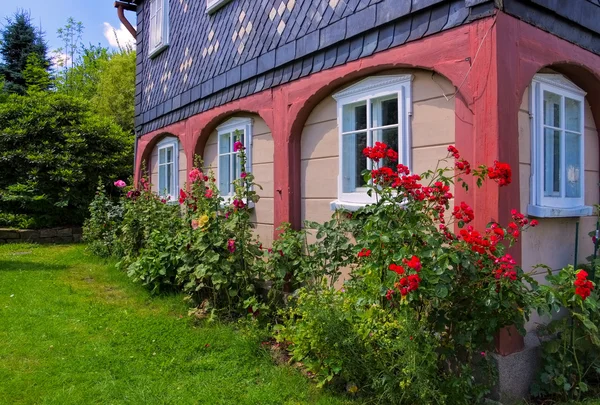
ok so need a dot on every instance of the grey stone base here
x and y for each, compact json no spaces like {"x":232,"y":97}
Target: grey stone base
{"x":53,"y":235}
{"x":516,"y":372}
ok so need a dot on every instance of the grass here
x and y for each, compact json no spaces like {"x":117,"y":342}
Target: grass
{"x":74,"y":330}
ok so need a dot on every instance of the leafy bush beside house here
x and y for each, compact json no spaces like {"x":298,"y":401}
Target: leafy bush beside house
{"x":416,"y":319}
{"x":53,"y":150}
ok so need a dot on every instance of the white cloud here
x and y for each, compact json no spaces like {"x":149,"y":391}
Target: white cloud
{"x":60,"y":59}
{"x":118,"y":37}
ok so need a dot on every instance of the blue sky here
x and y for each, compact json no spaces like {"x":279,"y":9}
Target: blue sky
{"x":52,"y":14}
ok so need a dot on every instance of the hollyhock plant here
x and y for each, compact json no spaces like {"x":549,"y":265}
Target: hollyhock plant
{"x":120,"y":184}
{"x":195,"y":175}
{"x":238,"y":146}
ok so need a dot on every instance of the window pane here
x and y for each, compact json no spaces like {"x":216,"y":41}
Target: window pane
{"x":224,"y":177}
{"x":551,"y":163}
{"x":572,"y":115}
{"x":236,"y":167}
{"x":162,"y":179}
{"x":353,"y":161}
{"x":551,"y":109}
{"x":169,"y":154}
{"x":169,"y":177}
{"x":573,"y":164}
{"x":384,"y":111}
{"x":225,"y":143}
{"x":390,"y":137}
{"x":162,"y":156}
{"x":354,"y":116}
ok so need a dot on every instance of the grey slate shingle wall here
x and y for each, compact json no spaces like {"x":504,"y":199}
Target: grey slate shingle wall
{"x":252,"y":45}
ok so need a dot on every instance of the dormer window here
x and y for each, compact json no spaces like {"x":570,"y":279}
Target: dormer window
{"x":214,"y":5}
{"x":159,"y":26}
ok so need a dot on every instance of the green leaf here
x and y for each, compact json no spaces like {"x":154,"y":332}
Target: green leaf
{"x":441,"y":291}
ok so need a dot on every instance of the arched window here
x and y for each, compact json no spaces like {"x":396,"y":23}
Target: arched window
{"x":557,"y":148}
{"x":376,"y":109}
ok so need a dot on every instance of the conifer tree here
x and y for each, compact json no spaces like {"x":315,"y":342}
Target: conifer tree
{"x":19,"y":38}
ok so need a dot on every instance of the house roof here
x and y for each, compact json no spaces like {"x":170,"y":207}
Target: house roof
{"x":252,"y":45}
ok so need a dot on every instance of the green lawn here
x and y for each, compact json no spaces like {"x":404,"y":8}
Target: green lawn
{"x":74,"y":330}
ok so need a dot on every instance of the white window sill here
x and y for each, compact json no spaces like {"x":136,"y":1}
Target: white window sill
{"x":551,"y":212}
{"x":156,"y":51}
{"x":354,"y":206}
{"x":348,"y":206}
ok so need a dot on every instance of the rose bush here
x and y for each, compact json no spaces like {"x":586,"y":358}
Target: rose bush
{"x":455,"y":290}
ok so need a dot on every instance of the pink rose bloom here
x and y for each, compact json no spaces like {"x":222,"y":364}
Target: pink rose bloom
{"x":195,"y":224}
{"x":120,"y":183}
{"x":238,"y":146}
{"x":195,"y":175}
{"x":209,"y":193}
{"x":243,"y":175}
{"x":231,"y":245}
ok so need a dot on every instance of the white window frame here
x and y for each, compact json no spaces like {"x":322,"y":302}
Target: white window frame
{"x":554,"y":206}
{"x":170,"y":142}
{"x":158,"y":37}
{"x":243,"y":125}
{"x":213,"y":5}
{"x":366,"y":90}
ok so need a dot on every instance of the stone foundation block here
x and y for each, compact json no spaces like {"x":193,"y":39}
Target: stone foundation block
{"x":28,"y":234}
{"x":9,"y":234}
{"x":61,"y":232}
{"x":47,"y":233}
{"x":517,"y":371}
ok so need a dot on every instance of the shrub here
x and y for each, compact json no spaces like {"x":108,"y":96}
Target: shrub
{"x":53,"y":150}
{"x":570,"y":345}
{"x":100,"y":230}
{"x":416,"y":318}
{"x":456,"y":291}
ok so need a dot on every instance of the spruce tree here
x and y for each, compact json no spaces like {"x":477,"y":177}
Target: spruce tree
{"x":19,"y":39}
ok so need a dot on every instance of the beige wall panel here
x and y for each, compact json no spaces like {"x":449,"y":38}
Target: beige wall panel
{"x":591,"y":187}
{"x":427,"y":158}
{"x":525,"y":101}
{"x":319,"y":178}
{"x":213,"y":138}
{"x":324,"y":111}
{"x":316,"y":210}
{"x":425,"y":86}
{"x":320,"y":140}
{"x":182,"y":167}
{"x":262,"y":148}
{"x":211,"y":156}
{"x":591,"y":150}
{"x":549,"y":243}
{"x":524,"y":137}
{"x":259,"y":126}
{"x":524,"y":174}
{"x":263,"y":174}
{"x":264,"y":233}
{"x":588,"y":118}
{"x":433,"y":122}
{"x":263,"y":211}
